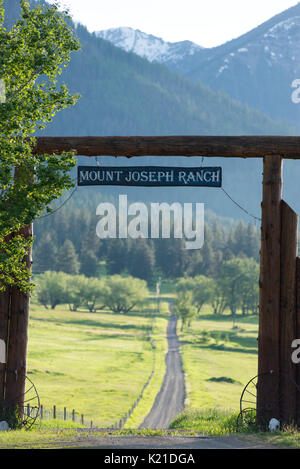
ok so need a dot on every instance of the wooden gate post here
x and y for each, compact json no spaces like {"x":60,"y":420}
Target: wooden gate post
{"x":4,"y":314}
{"x":297,"y":336}
{"x":14,"y":391}
{"x":269,"y":302}
{"x":17,"y":339}
{"x":287,"y":332}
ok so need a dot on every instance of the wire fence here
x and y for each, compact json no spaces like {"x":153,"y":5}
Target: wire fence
{"x":64,"y":415}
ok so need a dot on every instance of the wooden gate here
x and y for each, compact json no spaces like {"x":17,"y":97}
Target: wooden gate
{"x":279,"y":308}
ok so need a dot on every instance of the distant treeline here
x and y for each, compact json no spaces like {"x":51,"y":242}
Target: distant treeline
{"x":66,"y":241}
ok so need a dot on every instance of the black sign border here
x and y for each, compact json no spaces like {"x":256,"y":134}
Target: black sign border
{"x":143,"y":184}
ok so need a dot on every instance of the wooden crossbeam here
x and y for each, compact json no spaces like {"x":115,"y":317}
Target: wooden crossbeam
{"x":186,"y":145}
{"x":279,"y":305}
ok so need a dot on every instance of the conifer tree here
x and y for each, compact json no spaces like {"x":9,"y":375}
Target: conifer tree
{"x":45,"y":255}
{"x":67,"y":259}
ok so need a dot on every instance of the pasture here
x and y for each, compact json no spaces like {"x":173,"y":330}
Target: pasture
{"x":95,"y":363}
{"x":219,"y":357}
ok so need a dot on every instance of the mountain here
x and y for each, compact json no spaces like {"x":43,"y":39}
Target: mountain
{"x":257,"y":68}
{"x":124,"y":94}
{"x":148,"y":46}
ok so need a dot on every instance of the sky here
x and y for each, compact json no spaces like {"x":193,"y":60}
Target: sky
{"x":206,"y":22}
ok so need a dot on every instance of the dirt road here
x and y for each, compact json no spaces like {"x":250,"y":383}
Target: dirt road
{"x":170,"y":400}
{"x":168,"y":403}
{"x":174,"y":442}
{"x":92,"y":441}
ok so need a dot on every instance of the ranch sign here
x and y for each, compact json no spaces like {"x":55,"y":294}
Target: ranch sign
{"x":149,"y":176}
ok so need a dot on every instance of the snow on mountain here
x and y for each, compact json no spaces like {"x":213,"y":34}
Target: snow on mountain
{"x":148,"y":46}
{"x":276,"y":42}
{"x":256,"y":68}
{"x":278,"y":46}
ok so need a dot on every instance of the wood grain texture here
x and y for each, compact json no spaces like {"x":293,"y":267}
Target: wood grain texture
{"x":18,"y":338}
{"x":287,"y":330}
{"x":186,"y":145}
{"x":297,"y":334}
{"x":269,"y":304}
{"x":4,"y":317}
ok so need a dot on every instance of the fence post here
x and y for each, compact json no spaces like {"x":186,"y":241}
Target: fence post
{"x":42,"y":412}
{"x":65,"y":413}
{"x":82,"y":419}
{"x":73,"y":415}
{"x":54,"y":412}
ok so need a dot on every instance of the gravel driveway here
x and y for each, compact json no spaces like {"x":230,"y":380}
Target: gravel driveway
{"x":169,"y":401}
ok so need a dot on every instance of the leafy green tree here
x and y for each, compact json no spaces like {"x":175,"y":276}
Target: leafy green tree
{"x":124,"y":293}
{"x":229,"y":282}
{"x":74,"y":291}
{"x":238,"y":284}
{"x":201,"y":287}
{"x":67,"y":259}
{"x":185,"y":284}
{"x":184,"y":308}
{"x":218,"y":300}
{"x":32,"y":54}
{"x":249,"y":286}
{"x":51,"y":289}
{"x":203,"y":291}
{"x":94,"y":293}
{"x":83,"y":291}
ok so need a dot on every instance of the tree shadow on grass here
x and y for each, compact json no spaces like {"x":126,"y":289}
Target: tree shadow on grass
{"x":108,"y":336}
{"x":245,"y":344}
{"x":238,"y":318}
{"x":97,"y":324}
{"x":227,"y":348}
{"x":149,"y":313}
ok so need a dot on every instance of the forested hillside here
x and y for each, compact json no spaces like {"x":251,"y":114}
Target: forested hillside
{"x":126,"y":95}
{"x":257,"y":68}
{"x":66,"y":241}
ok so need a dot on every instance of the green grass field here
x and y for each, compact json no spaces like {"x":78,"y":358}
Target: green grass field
{"x":219,"y":358}
{"x":95,"y":363}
